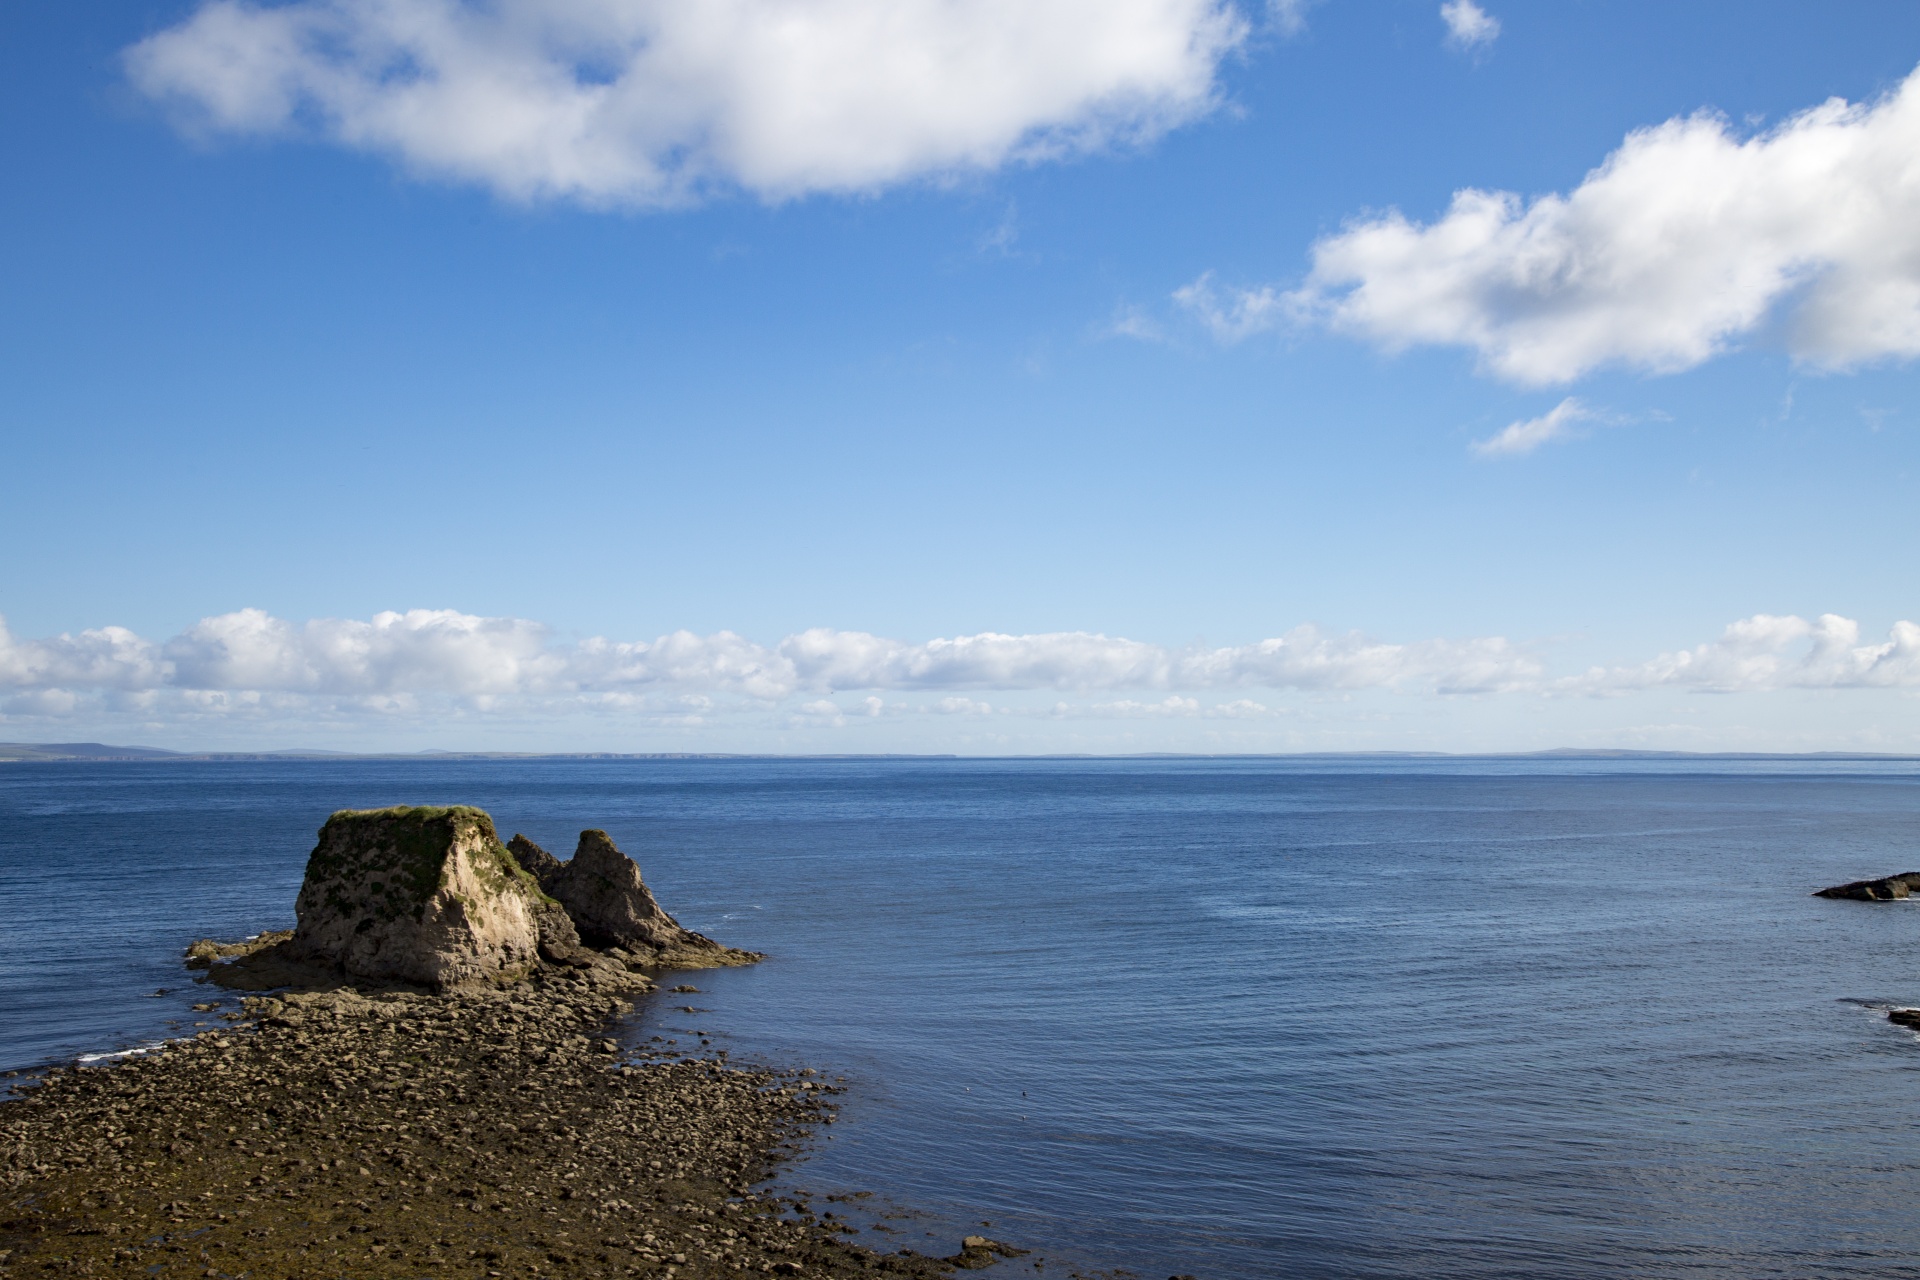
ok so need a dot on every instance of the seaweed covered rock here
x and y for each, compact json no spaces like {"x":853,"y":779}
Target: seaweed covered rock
{"x":1885,"y":889}
{"x":427,"y":896}
{"x":611,"y":906}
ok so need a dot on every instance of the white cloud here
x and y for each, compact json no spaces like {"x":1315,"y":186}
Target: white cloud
{"x":1682,"y":243}
{"x":958,"y":706}
{"x":105,"y":658}
{"x":251,"y":665}
{"x":44,"y":703}
{"x":425,"y":652}
{"x":1765,"y":653}
{"x":1526,"y":436}
{"x":646,"y":102}
{"x":1468,"y":25}
{"x":1289,"y":17}
{"x":1172,"y":705}
{"x":420,"y":651}
{"x":1231,"y":314}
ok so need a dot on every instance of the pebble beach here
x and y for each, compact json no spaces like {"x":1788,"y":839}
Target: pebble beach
{"x":398,"y":1133}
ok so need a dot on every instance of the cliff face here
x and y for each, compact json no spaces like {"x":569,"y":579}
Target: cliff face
{"x":421,"y":895}
{"x":612,"y":907}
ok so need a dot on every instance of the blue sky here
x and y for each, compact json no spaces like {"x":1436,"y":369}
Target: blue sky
{"x":419,"y":395}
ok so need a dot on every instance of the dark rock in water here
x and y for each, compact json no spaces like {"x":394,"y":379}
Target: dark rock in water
{"x":611,"y":906}
{"x":205,"y":953}
{"x":1905,"y":1017}
{"x":427,"y":896}
{"x":978,"y":1252}
{"x":1886,"y":889}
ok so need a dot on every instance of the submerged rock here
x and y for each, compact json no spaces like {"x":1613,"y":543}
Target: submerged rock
{"x":612,"y":907}
{"x":1886,"y":889}
{"x":427,"y":896}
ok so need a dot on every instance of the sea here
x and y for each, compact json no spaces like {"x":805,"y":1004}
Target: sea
{"x":1252,"y":1017}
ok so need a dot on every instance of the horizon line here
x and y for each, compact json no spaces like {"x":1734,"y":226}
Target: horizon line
{"x":97,"y":752}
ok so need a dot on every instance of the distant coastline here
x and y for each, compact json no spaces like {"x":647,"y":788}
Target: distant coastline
{"x":78,"y":752}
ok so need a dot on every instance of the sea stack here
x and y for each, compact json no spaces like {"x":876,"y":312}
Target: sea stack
{"x":427,"y":896}
{"x":610,"y":905}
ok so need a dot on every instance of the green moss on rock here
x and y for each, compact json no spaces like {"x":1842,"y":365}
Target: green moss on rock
{"x":424,"y":893}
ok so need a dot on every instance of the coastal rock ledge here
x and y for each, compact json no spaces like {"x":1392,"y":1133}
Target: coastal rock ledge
{"x":1885,"y":889}
{"x":430,"y":897}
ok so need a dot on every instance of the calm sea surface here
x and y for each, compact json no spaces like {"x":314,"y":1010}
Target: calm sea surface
{"x":1234,"y":1018}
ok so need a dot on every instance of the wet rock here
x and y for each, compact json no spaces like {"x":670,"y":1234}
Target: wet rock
{"x":1905,"y":1018}
{"x":207,"y":952}
{"x":977,"y":1252}
{"x":1886,"y":889}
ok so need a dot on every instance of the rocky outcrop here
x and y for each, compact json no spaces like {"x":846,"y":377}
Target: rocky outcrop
{"x":427,"y":896}
{"x":612,"y":907}
{"x":535,"y":861}
{"x":206,"y":952}
{"x":1886,"y":889}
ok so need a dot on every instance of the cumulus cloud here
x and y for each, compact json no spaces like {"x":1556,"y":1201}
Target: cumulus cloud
{"x":105,"y":658}
{"x":1468,"y":25}
{"x":1525,"y":436}
{"x":1683,"y":242}
{"x":1765,"y":653}
{"x":250,"y":663}
{"x":425,"y":652}
{"x":646,"y":102}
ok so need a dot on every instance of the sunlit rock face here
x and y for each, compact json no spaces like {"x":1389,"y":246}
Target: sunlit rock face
{"x":427,"y":896}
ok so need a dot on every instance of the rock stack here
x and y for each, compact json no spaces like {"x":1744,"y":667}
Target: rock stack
{"x":430,"y":897}
{"x":427,"y":896}
{"x":611,"y":907}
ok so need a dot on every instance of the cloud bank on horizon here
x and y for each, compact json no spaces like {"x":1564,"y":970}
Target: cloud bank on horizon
{"x":651,"y":102}
{"x":250,"y":659}
{"x":1686,"y":240}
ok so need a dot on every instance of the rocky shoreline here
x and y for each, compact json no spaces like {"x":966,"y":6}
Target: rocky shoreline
{"x":433,"y":1088}
{"x":492,"y":1133}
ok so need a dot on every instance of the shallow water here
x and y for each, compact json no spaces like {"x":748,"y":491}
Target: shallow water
{"x":1222,"y":1017}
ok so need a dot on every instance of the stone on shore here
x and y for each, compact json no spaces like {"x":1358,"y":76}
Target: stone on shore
{"x":207,"y":952}
{"x":1886,"y":889}
{"x":611,"y":906}
{"x":426,"y":896}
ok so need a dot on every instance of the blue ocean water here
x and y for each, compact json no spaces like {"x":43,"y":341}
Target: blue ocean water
{"x":1232,"y":1018}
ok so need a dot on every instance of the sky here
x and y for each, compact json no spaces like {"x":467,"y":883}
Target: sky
{"x":976,"y":376}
